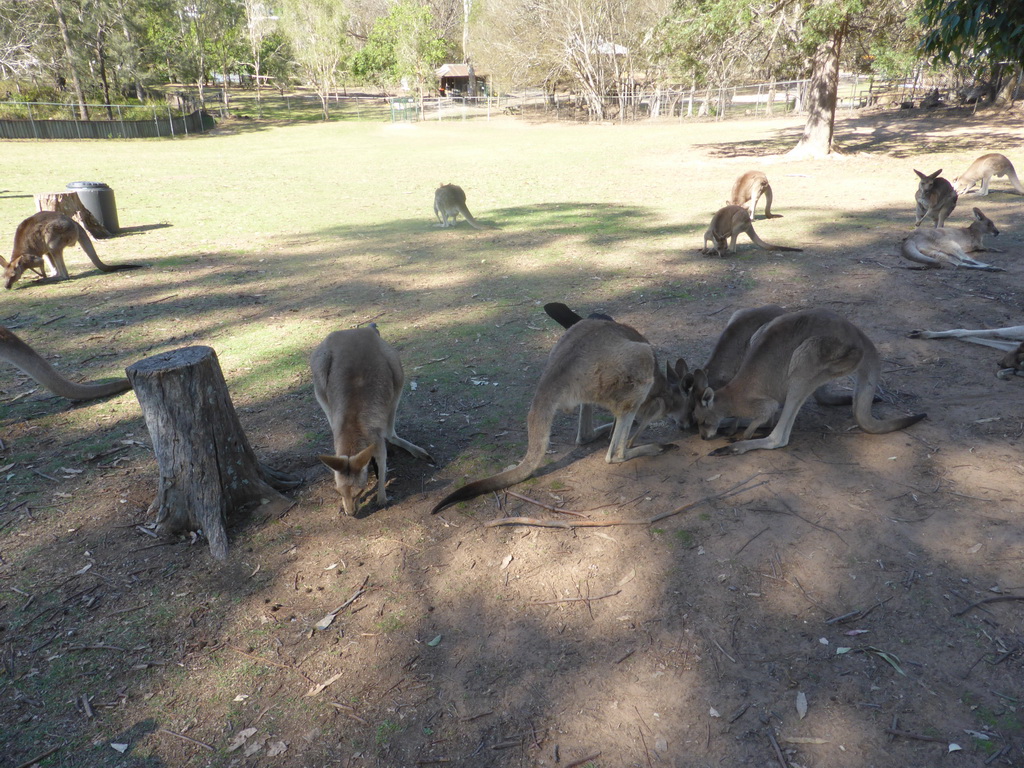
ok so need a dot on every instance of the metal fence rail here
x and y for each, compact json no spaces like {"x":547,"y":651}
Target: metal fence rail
{"x":163,"y":122}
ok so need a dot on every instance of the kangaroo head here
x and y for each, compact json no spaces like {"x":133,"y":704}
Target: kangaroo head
{"x":351,"y":474}
{"x":18,"y":265}
{"x":704,"y":414}
{"x":986,"y":225}
{"x":1014,"y":359}
{"x":677,"y":401}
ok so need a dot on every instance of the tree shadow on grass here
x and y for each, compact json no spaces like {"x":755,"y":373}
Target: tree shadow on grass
{"x":897,"y":133}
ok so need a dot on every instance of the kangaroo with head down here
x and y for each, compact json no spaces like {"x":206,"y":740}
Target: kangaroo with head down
{"x":45,"y":235}
{"x":983,"y":169}
{"x":790,"y":358}
{"x":748,"y":190}
{"x":449,"y":202}
{"x":946,"y":245}
{"x":935,"y":198}
{"x":19,"y":354}
{"x":358,"y":380}
{"x":596,"y":362}
{"x":726,"y":225}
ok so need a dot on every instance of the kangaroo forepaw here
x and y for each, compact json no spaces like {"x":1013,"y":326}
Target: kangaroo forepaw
{"x":666,"y":447}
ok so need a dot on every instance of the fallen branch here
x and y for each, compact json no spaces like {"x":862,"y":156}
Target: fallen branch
{"x":584,"y":760}
{"x":778,"y":750}
{"x":577,"y":599}
{"x":736,"y":489}
{"x":988,"y":600}
{"x":185,"y":738}
{"x":543,"y":505}
{"x":39,"y":758}
{"x":916,"y":736}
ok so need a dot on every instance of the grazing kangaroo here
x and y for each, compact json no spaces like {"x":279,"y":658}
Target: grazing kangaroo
{"x":449,"y":202}
{"x":983,"y":169}
{"x":596,"y":362}
{"x":932,"y":247}
{"x":358,"y":380}
{"x":1009,"y":339}
{"x":935,"y":198}
{"x":19,"y":354}
{"x":789,"y":358}
{"x":727,"y":224}
{"x":47,"y":234}
{"x":748,"y":190}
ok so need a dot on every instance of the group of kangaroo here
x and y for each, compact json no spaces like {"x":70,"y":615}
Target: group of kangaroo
{"x":766,"y":363}
{"x":935,"y":199}
{"x":767,"y":359}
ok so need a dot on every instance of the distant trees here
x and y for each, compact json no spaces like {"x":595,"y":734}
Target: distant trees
{"x":403,"y":46}
{"x":972,"y":30}
{"x":600,"y":50}
{"x":317,"y":30}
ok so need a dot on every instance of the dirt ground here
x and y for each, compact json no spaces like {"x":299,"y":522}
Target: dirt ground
{"x":826,"y":614}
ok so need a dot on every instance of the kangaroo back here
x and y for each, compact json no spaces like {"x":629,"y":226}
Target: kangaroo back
{"x":357,"y":380}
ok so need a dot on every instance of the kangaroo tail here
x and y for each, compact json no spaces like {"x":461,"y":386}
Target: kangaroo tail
{"x":469,"y":217}
{"x":539,"y":428}
{"x":768,"y":246}
{"x":1012,"y":176}
{"x":911,"y":252}
{"x":21,"y":355}
{"x":864,"y":394}
{"x":90,"y":251}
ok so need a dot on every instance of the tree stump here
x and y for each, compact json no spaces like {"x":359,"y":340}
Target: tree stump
{"x":70,"y":204}
{"x":209,"y":474}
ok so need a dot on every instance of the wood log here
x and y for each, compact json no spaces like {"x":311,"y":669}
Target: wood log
{"x":209,"y":474}
{"x":70,"y":204}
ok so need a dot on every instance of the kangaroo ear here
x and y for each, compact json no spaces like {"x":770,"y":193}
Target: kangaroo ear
{"x":681,"y":369}
{"x":707,"y":397}
{"x":932,"y":176}
{"x":688,"y":382}
{"x":700,"y":380}
{"x":920,"y":174}
{"x":362,"y":458}
{"x":337,"y":463}
{"x":978,"y":215}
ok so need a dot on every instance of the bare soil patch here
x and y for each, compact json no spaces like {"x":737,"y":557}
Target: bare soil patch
{"x":685,"y":643}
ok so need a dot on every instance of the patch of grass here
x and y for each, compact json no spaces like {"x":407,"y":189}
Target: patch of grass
{"x":685,"y":538}
{"x":384,"y":732}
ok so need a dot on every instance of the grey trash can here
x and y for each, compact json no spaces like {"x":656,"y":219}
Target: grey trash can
{"x":98,"y":199}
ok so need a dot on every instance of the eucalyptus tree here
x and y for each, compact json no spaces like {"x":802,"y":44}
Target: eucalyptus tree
{"x":318,"y":32}
{"x":404,"y":46}
{"x":596,"y":47}
{"x":974,"y":31}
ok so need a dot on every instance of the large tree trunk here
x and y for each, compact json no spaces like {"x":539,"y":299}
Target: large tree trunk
{"x":208,"y":472}
{"x":70,"y":204}
{"x":62,"y":23}
{"x":822,"y":94}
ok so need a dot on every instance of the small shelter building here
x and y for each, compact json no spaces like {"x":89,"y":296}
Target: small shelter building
{"x":454,"y":80}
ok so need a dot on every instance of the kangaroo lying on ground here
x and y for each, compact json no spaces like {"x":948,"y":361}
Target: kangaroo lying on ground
{"x":19,"y":354}
{"x":1009,"y":340}
{"x":596,"y":362}
{"x":449,"y":202}
{"x":935,"y":198}
{"x":983,"y":169}
{"x":748,"y":189}
{"x":727,"y":224}
{"x":789,"y":358}
{"x":932,"y":247}
{"x":47,"y":234}
{"x":358,"y":380}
